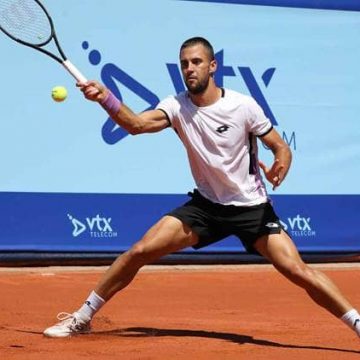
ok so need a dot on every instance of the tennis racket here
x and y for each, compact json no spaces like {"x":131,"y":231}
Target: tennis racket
{"x":28,"y":23}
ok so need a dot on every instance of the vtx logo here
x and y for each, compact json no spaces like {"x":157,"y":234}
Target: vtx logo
{"x":97,"y":223}
{"x":111,"y":75}
{"x":298,"y":223}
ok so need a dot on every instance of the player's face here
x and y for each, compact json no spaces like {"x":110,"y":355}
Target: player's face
{"x":197,"y":68}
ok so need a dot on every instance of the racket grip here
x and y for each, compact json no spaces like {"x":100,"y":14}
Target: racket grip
{"x":72,"y":69}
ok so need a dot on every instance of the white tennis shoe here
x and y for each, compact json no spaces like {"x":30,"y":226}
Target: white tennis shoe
{"x":69,"y":325}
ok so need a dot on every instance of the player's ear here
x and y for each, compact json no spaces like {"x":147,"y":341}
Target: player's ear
{"x":213,"y":67}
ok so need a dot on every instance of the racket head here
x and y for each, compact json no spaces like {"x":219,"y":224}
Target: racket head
{"x":26,"y":21}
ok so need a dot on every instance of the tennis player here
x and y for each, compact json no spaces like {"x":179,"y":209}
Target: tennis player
{"x":219,"y":129}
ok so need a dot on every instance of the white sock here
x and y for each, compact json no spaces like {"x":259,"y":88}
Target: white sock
{"x":352,"y":319}
{"x":91,"y":306}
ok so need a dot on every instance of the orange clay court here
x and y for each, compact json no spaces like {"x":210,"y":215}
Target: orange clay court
{"x":177,"y":312}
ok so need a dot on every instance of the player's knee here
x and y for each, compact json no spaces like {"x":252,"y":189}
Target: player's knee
{"x":140,"y":253}
{"x":300,"y":274}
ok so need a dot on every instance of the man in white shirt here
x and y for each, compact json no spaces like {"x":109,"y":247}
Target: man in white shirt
{"x":218,"y":128}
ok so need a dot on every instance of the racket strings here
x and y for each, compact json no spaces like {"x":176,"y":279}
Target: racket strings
{"x":25,"y":20}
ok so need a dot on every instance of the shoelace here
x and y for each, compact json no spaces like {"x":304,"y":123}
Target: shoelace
{"x":64,"y":316}
{"x":67,"y":319}
{"x":71,"y":321}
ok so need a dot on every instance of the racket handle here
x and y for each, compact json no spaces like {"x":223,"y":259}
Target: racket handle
{"x":74,"y":71}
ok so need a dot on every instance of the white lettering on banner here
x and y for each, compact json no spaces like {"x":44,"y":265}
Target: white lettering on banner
{"x":98,"y":227}
{"x":102,"y":234}
{"x":303,"y":233}
{"x":102,"y":224}
{"x":298,"y":226}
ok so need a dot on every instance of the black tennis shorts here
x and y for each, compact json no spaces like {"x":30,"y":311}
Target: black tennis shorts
{"x":214,"y":222}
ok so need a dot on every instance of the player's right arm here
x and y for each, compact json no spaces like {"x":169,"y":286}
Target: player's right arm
{"x":146,"y":122}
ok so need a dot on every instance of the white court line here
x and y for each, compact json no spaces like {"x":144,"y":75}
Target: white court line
{"x":51,"y":270}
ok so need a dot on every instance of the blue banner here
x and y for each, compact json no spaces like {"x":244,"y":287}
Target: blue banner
{"x":352,"y":5}
{"x":113,"y":222}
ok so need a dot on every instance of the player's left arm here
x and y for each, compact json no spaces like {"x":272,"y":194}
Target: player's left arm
{"x":282,"y":158}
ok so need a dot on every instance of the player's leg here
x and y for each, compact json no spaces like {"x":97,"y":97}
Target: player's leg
{"x":165,"y":237}
{"x":280,"y":250}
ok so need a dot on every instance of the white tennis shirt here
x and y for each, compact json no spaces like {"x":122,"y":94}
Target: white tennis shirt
{"x":221,"y":145}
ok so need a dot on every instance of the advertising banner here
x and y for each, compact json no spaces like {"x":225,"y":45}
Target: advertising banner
{"x":72,"y":180}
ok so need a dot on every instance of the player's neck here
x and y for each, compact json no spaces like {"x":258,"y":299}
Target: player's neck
{"x":210,"y":96}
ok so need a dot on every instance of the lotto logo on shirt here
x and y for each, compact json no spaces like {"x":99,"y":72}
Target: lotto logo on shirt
{"x":298,"y":226}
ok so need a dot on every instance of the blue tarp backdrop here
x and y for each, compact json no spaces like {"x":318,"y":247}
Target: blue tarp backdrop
{"x":112,"y":222}
{"x":71,"y":180}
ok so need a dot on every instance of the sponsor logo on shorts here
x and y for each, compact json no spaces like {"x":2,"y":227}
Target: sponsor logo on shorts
{"x":298,"y":226}
{"x":272,"y":225}
{"x":96,"y":227}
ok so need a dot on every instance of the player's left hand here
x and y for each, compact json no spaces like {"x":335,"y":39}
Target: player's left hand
{"x":275,"y":174}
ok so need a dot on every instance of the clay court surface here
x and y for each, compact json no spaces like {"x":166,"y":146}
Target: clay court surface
{"x":177,"y":312}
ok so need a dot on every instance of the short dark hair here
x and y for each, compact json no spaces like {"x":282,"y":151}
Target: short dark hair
{"x":199,"y":40}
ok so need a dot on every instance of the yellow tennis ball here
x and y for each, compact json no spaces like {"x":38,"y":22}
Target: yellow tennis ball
{"x":59,"y":93}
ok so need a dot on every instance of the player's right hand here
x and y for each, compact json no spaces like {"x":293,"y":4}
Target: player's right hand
{"x":93,"y":90}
